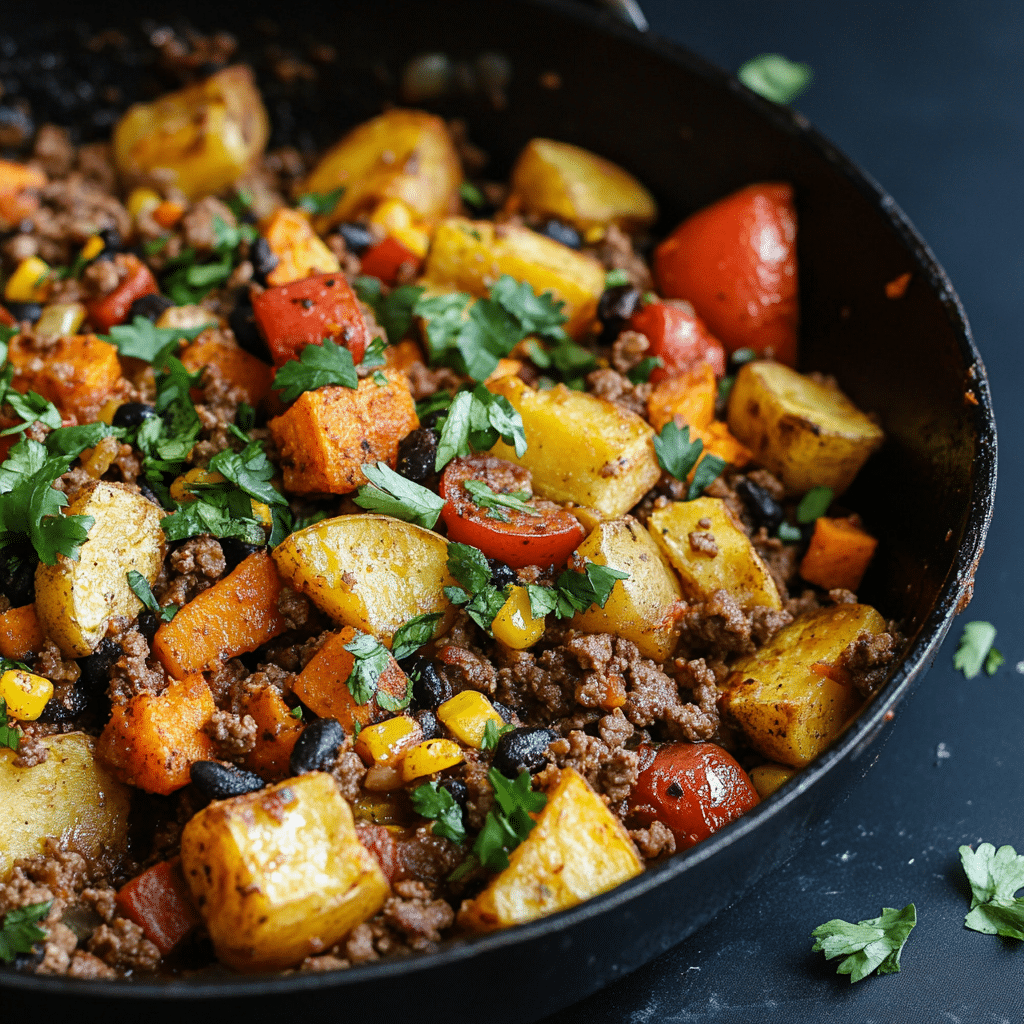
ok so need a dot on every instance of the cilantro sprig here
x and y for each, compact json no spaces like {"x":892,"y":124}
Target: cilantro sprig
{"x":471,"y":571}
{"x":370,"y":660}
{"x":975,"y":651}
{"x":474,"y":422}
{"x":389,"y":493}
{"x":320,"y":204}
{"x":10,"y":735}
{"x":870,"y":945}
{"x":20,"y":930}
{"x":814,"y":504}
{"x":435,"y":802}
{"x":189,"y":281}
{"x":408,"y":639}
{"x":29,"y":407}
{"x":144,"y":592}
{"x":394,"y":311}
{"x":318,"y":366}
{"x":678,"y":455}
{"x":483,"y":497}
{"x":508,"y":823}
{"x":142,"y":339}
{"x":493,"y":732}
{"x":994,"y":876}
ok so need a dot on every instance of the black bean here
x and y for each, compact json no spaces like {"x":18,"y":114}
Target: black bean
{"x":358,"y":237}
{"x":112,"y":240}
{"x":317,"y":747}
{"x":429,"y":687}
{"x":132,"y":414}
{"x":763,"y":508}
{"x":76,"y":701}
{"x":219,"y":782}
{"x":263,"y":259}
{"x":237,"y":551}
{"x":501,"y":574}
{"x":417,"y":453}
{"x":16,"y":127}
{"x":618,"y":304}
{"x":242,"y":321}
{"x":95,"y":668}
{"x":523,"y":749}
{"x":30,"y":311}
{"x":149,"y":623}
{"x":152,"y":307}
{"x":18,"y":574}
{"x":429,"y":724}
{"x":458,"y":790}
{"x":563,"y":233}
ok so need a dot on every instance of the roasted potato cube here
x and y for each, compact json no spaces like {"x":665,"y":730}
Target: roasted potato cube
{"x":807,"y":433}
{"x":581,"y":448}
{"x":70,"y":797}
{"x":790,"y":698}
{"x":577,"y":850}
{"x":639,"y":608}
{"x":76,"y":600}
{"x":470,"y":256}
{"x":299,"y":249}
{"x":198,"y":139}
{"x":556,"y":179}
{"x":710,"y":551}
{"x":280,"y":873}
{"x":406,"y":155}
{"x":368,"y":571}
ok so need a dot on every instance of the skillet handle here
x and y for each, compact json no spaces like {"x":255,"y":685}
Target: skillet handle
{"x":628,"y":11}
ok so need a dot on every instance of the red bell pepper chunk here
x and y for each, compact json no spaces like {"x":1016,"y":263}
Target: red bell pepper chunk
{"x":736,"y":262}
{"x":6,"y":320}
{"x":292,"y":316}
{"x":110,"y":310}
{"x":160,"y":903}
{"x":679,"y":338}
{"x":545,"y":538}
{"x":385,"y":259}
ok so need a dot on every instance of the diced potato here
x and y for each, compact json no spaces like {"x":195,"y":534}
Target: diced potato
{"x":280,"y":874}
{"x":556,"y":179}
{"x":577,"y":850}
{"x":70,"y":797}
{"x":76,"y":600}
{"x":807,"y":433}
{"x":581,"y":448}
{"x":469,"y":256}
{"x":769,"y":777}
{"x":736,"y":567}
{"x":368,"y":571}
{"x":783,"y":697}
{"x":639,"y":608}
{"x":299,"y":249}
{"x":406,"y":155}
{"x":198,"y":139}
{"x":328,"y":435}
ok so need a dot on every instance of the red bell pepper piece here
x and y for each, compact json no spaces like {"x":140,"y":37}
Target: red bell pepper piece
{"x":385,"y":259}
{"x":546,"y":538}
{"x":110,"y":310}
{"x":292,"y":316}
{"x":736,"y":262}
{"x":6,"y":320}
{"x":679,"y":338}
{"x":160,"y":903}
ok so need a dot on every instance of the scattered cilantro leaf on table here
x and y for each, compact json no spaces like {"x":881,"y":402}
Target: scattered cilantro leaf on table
{"x":994,"y":875}
{"x":317,"y":366}
{"x":474,"y":422}
{"x":975,"y":651}
{"x":20,"y":930}
{"x":873,"y":944}
{"x":775,"y":77}
{"x":391,"y":494}
{"x":435,"y":802}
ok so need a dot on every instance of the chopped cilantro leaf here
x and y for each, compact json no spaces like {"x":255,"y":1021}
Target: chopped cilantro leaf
{"x":414,"y":634}
{"x":725,"y":386}
{"x":775,"y":77}
{"x":20,"y":930}
{"x":469,"y":568}
{"x":142,"y":590}
{"x":317,"y":366}
{"x":72,"y":441}
{"x":874,"y":944}
{"x":615,"y":278}
{"x":394,"y":704}
{"x":484,"y":497}
{"x":10,"y":735}
{"x":789,"y":534}
{"x":320,"y":204}
{"x":708,"y":470}
{"x":471,"y":195}
{"x":678,"y":455}
{"x":542,"y":599}
{"x":508,"y":823}
{"x":493,"y":732}
{"x":814,"y":504}
{"x":394,"y":311}
{"x":152,"y":246}
{"x":994,"y":875}
{"x":370,"y":660}
{"x":641,"y":373}
{"x":742,"y":355}
{"x":221,"y":514}
{"x":142,"y":339}
{"x":592,"y":586}
{"x":379,"y":379}
{"x":435,"y":802}
{"x":391,"y":494}
{"x":250,"y":470}
{"x":992,"y":662}
{"x":296,"y":712}
{"x":475,"y":421}
{"x":975,"y":649}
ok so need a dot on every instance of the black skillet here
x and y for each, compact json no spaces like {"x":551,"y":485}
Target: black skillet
{"x":692,"y":134}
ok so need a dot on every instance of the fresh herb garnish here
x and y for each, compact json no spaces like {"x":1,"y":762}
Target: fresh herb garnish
{"x":296,"y":712}
{"x":583,"y":589}
{"x":391,"y":494}
{"x":874,"y":944}
{"x":370,"y":660}
{"x":471,"y":195}
{"x":475,"y":421}
{"x":28,"y":407}
{"x":10,"y":735}
{"x":775,"y":77}
{"x":814,"y":504}
{"x":641,"y":373}
{"x":469,"y":568}
{"x":190,"y":282}
{"x":394,"y":311}
{"x":72,"y":441}
{"x":678,"y":455}
{"x":789,"y":534}
{"x":317,"y":366}
{"x":144,"y":592}
{"x":975,"y":650}
{"x":484,"y":497}
{"x":414,"y":634}
{"x":994,"y":875}
{"x":509,"y":822}
{"x":320,"y":204}
{"x":493,"y":732}
{"x":379,"y":379}
{"x":20,"y":930}
{"x":435,"y":802}
{"x":615,"y":278}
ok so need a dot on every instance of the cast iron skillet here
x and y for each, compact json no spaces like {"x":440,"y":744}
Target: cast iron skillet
{"x":692,"y":134}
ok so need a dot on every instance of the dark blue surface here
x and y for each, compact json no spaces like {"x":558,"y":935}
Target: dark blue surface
{"x":928,"y":98}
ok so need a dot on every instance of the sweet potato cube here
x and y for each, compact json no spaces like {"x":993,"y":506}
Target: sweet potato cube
{"x":152,"y":741}
{"x":838,"y":555}
{"x":577,"y":849}
{"x":236,"y":615}
{"x":19,"y":187}
{"x":277,"y":731}
{"x":280,"y":873}
{"x":237,"y":366}
{"x":688,"y":399}
{"x":328,"y":435}
{"x":20,"y":633}
{"x":299,"y":249}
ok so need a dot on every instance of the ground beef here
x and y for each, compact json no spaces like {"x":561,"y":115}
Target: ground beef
{"x":541,"y":687}
{"x":481,"y":793}
{"x":424,"y":382}
{"x":766,"y":622}
{"x":716,"y":627}
{"x":198,"y":223}
{"x":613,"y":386}
{"x":628,"y":349}
{"x":703,"y":541}
{"x":101,"y":277}
{"x":234,"y":734}
{"x":656,"y":841}
{"x":426,"y":857}
{"x":135,"y":671}
{"x":616,"y":252}
{"x":840,"y":595}
{"x":782,"y":560}
{"x":610,"y":768}
{"x":466,"y":670}
{"x":867,"y":659}
{"x":53,"y":150}
{"x":295,"y":608}
{"x":802,"y":605}
{"x":195,"y":566}
{"x":419,"y":918}
{"x":52,"y":664}
{"x":122,"y":944}
{"x":349,"y":771}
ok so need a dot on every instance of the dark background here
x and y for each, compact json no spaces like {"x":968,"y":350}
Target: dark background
{"x":928,"y":98}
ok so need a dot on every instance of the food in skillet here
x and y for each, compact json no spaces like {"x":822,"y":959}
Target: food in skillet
{"x":387,"y":559}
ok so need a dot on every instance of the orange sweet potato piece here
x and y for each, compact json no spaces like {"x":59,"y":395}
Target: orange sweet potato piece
{"x":153,"y":740}
{"x":276,"y":736}
{"x":327,"y":436}
{"x":237,"y":366}
{"x":838,"y":554}
{"x":688,"y":398}
{"x":19,"y":184}
{"x":20,"y":633}
{"x":299,"y":249}
{"x":321,"y":685}
{"x":236,"y":615}
{"x":401,"y":355}
{"x":718,"y":441}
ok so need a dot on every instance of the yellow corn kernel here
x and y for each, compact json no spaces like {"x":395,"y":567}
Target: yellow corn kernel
{"x":142,"y":201}
{"x":467,"y":714}
{"x":397,"y":221}
{"x":107,"y":410}
{"x":382,"y":809}
{"x":514,"y":625}
{"x":59,"y":320}
{"x":28,"y":283}
{"x":428,"y":757}
{"x":594,"y":234}
{"x":26,"y":694}
{"x":180,"y":489}
{"x":767,"y":778}
{"x":96,"y":461}
{"x":386,"y":742}
{"x":92,"y":248}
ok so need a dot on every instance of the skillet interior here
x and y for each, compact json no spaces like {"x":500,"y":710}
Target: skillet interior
{"x":691,"y":135}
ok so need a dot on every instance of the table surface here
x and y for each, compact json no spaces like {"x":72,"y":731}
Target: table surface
{"x":928,"y":98}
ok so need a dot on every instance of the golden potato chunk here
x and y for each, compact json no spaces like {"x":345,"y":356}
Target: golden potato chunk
{"x":198,"y":139}
{"x":807,"y":433}
{"x":581,"y":448}
{"x":406,"y":155}
{"x":577,"y":850}
{"x":790,"y":698}
{"x":639,"y":608}
{"x":710,"y":551}
{"x":76,"y":600}
{"x":368,"y":571}
{"x":470,"y":255}
{"x":556,"y":179}
{"x":280,"y":873}
{"x":70,"y":797}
